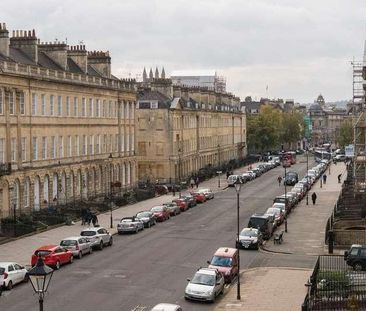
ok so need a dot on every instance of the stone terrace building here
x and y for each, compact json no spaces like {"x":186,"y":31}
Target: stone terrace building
{"x":182,"y":129}
{"x":66,"y":124}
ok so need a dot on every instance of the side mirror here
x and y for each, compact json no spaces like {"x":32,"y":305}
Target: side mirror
{"x":208,"y":262}
{"x":345,"y":254}
{"x":188,"y":280}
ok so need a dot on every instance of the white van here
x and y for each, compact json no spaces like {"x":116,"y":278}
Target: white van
{"x":232,"y":179}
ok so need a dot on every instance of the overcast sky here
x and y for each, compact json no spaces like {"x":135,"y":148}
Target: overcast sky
{"x":298,"y":48}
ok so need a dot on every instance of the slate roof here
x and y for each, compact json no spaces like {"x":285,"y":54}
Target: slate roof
{"x":149,"y":95}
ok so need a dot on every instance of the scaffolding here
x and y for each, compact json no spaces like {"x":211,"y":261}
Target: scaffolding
{"x":359,"y":126}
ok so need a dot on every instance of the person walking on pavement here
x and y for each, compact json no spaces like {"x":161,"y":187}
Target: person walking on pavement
{"x":313,"y":198}
{"x":197,"y":182}
{"x":339,"y":178}
{"x":94,"y":220}
{"x":279,"y":179}
{"x":324,"y":179}
{"x":192,"y":182}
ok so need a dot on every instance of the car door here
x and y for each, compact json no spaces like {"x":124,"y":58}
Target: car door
{"x":20,"y":273}
{"x":219,"y":283}
{"x":12,"y":274}
{"x":103,"y":234}
{"x":62,"y":254}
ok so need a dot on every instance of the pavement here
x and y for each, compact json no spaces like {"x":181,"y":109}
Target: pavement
{"x":282,"y":289}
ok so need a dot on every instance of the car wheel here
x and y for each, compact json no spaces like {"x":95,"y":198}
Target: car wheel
{"x":10,"y":285}
{"x":101,"y":245}
{"x":57,"y":265}
{"x":110,"y":241}
{"x":71,"y":259}
{"x":357,"y":266}
{"x":80,"y":255}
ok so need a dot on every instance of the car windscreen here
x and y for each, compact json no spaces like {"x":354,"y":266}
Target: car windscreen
{"x":280,"y":200}
{"x":42,"y":253}
{"x":203,"y":279}
{"x":157,"y":209}
{"x":68,"y":243}
{"x":256,"y":222}
{"x":143,"y":214}
{"x":250,"y":233}
{"x":221,"y":261}
{"x":87,"y":233}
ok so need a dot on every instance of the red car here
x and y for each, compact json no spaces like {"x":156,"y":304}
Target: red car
{"x":161,"y":213}
{"x":52,"y":255}
{"x":181,"y":203}
{"x":200,"y":197}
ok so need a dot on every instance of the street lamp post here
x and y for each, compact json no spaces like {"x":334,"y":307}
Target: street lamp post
{"x":307,"y":174}
{"x":111,"y":189}
{"x":218,"y":175}
{"x":40,"y":277}
{"x":237,"y":188}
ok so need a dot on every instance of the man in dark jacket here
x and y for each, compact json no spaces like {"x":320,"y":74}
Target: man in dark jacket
{"x":313,"y":198}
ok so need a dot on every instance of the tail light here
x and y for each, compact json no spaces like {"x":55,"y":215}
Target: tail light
{"x":5,"y":275}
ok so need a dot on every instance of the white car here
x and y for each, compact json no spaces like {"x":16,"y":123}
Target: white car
{"x":207,"y":192}
{"x":78,"y":245}
{"x":166,"y":307}
{"x":98,"y":237}
{"x":206,"y":285}
{"x":12,"y":273}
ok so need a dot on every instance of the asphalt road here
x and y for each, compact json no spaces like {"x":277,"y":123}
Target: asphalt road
{"x":152,"y":266}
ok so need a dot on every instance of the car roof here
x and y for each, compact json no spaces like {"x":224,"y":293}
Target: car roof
{"x":7,"y":263}
{"x":47,"y":247}
{"x":249,"y":229}
{"x":225,"y":252}
{"x":208,"y":271}
{"x":165,"y":307}
{"x":73,"y":238}
{"x":257,"y":215}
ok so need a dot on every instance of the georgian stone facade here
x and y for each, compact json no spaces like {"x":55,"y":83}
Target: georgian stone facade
{"x":67,"y":126}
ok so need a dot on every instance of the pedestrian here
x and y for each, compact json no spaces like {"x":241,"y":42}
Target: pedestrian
{"x":88,"y":217}
{"x":83,"y":216}
{"x":227,"y":174}
{"x":197,"y":182}
{"x":173,"y":189}
{"x":313,"y":198}
{"x":324,"y":179}
{"x":279,"y":178}
{"x":192,"y":182}
{"x":94,"y":220}
{"x":339,"y":178}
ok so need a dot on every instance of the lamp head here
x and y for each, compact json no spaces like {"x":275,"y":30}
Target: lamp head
{"x":40,"y":276}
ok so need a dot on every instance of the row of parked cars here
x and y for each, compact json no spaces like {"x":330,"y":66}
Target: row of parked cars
{"x":261,"y":226}
{"x":253,"y":173}
{"x":96,"y":238}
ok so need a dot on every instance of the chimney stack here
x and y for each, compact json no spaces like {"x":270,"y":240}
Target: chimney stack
{"x":26,"y":41}
{"x":101,"y":62}
{"x":4,"y":40}
{"x":57,"y":51}
{"x":79,"y":55}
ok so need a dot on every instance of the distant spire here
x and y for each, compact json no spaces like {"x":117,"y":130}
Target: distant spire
{"x":151,"y":76}
{"x":144,"y":76}
{"x":156,"y":73}
{"x":163,"y":74}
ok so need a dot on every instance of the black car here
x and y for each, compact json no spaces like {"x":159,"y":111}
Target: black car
{"x":264,"y":223}
{"x":190,"y":199}
{"x":291,"y":179}
{"x":147,"y":218}
{"x":356,"y":257}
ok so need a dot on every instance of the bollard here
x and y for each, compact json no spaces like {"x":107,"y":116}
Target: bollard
{"x":285,"y":224}
{"x":330,"y":241}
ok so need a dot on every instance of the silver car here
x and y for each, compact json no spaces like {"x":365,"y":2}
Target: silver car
{"x":206,"y":285}
{"x":98,"y":237}
{"x":207,"y":192}
{"x":166,"y":307}
{"x":78,"y":245}
{"x":130,"y":224}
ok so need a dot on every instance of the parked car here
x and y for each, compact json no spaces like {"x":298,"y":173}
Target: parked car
{"x":277,"y":214}
{"x":246,"y":177}
{"x":253,"y":174}
{"x":339,"y":157}
{"x":160,"y":212}
{"x":257,"y":171}
{"x":200,"y":197}
{"x":166,"y":307}
{"x":250,"y":238}
{"x":98,"y":237}
{"x":182,"y":203}
{"x":356,"y":257}
{"x":130,"y":224}
{"x":225,"y":259}
{"x":147,"y":217}
{"x":190,"y":199}
{"x":77,"y":245}
{"x":281,"y":206}
{"x":282,"y":199}
{"x":205,"y":285}
{"x":262,"y":222}
{"x":291,"y":179}
{"x":207,"y":192}
{"x":52,"y":255}
{"x":232,"y":179}
{"x":12,"y":273}
{"x":173,"y":208}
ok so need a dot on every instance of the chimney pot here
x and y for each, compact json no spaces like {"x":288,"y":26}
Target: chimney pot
{"x":1,"y":26}
{"x":29,"y":33}
{"x":13,"y":33}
